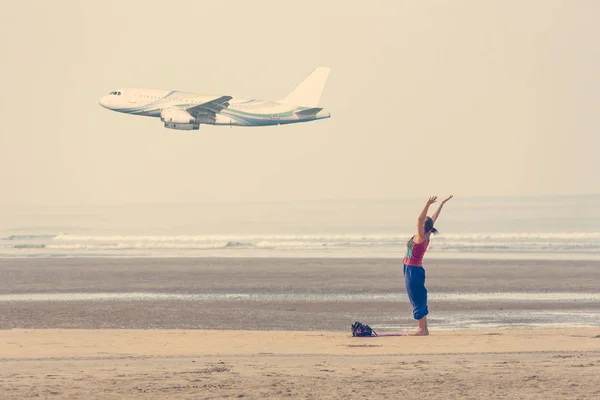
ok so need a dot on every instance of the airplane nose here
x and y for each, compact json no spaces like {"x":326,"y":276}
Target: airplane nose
{"x":103,"y":102}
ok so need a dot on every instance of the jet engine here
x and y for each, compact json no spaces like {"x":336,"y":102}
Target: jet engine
{"x":175,"y":118}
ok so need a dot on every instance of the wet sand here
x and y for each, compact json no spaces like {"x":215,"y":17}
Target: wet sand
{"x":320,"y":278}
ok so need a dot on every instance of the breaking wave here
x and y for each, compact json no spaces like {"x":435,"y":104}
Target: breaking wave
{"x":29,"y":237}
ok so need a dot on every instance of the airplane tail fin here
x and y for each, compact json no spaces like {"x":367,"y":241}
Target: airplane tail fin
{"x":308,"y":93}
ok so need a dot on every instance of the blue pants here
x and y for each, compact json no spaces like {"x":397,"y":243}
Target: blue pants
{"x":414,"y":277}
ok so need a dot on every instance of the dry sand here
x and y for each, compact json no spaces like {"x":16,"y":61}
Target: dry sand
{"x":195,"y":364}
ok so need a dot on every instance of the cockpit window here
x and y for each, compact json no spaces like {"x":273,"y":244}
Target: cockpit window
{"x":115,"y":93}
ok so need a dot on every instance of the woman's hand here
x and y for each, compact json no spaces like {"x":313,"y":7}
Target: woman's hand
{"x":446,"y":199}
{"x":432,"y":200}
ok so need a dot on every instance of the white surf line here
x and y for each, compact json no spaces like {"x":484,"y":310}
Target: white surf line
{"x":561,"y":297}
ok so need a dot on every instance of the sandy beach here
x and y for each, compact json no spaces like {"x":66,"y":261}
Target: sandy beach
{"x":280,"y":328}
{"x":196,"y":364}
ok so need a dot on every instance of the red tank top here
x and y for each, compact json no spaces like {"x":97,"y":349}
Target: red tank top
{"x":415,"y":252}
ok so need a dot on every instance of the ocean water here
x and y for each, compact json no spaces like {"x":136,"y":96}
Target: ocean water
{"x":508,"y":228}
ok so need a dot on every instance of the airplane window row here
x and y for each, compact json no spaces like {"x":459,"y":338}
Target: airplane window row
{"x":115,"y":93}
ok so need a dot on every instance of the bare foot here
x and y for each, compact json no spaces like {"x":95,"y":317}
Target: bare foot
{"x":419,"y":332}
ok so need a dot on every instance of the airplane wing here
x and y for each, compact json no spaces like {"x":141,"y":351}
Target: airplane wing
{"x":210,"y":108}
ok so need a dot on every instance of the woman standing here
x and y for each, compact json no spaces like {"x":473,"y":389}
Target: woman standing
{"x":414,"y":273}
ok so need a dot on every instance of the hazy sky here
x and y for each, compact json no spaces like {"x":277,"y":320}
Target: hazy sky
{"x":428,"y":97}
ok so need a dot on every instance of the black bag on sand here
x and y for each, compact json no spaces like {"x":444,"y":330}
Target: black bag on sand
{"x":359,"y":329}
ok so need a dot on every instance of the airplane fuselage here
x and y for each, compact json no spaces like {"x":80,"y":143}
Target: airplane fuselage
{"x":238,"y":112}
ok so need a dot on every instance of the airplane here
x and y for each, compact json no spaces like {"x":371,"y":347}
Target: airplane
{"x":187,"y":111}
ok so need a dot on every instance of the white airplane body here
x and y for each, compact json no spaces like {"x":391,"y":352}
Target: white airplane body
{"x":187,"y":111}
